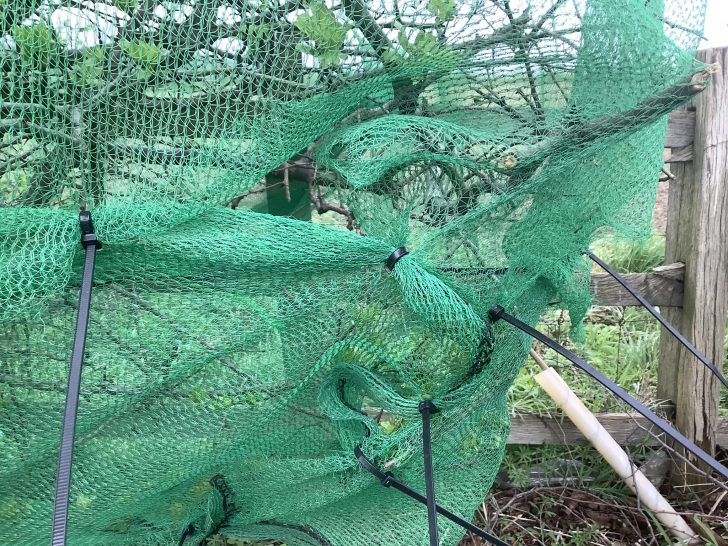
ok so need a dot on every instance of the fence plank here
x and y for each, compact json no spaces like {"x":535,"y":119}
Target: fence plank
{"x":626,"y":429}
{"x":680,"y":129}
{"x":697,"y":228}
{"x":662,"y":287}
{"x":678,"y":155}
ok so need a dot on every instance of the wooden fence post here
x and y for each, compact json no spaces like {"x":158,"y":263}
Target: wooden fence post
{"x":697,"y":235}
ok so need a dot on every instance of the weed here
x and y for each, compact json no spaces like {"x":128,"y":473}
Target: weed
{"x":632,"y":257}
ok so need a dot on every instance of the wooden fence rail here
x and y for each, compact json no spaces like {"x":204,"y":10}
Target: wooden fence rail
{"x":662,"y":287}
{"x":528,"y":429}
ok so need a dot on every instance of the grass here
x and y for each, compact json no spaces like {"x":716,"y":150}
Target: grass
{"x":632,"y":257}
{"x":624,"y":344}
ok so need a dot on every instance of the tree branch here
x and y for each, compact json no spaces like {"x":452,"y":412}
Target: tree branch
{"x":646,"y":111}
{"x":314,"y":193}
{"x":10,"y":163}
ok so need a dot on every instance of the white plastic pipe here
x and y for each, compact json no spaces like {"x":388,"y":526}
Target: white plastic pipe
{"x":593,"y":431}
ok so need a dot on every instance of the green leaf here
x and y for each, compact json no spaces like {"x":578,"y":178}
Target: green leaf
{"x":127,"y":6}
{"x":145,"y":53}
{"x":255,"y":35}
{"x":88,"y":70}
{"x":36,"y":43}
{"x":426,"y":43}
{"x":327,"y":34}
{"x":443,"y":10}
{"x":425,"y":47}
{"x":391,"y":57}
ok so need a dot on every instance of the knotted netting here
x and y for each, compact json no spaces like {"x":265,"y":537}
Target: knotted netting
{"x":235,"y":358}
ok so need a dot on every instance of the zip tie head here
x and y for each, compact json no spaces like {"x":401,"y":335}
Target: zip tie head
{"x":496,"y":312}
{"x":394,"y":257}
{"x":388,"y":479}
{"x":427,"y":406}
{"x":88,"y":235}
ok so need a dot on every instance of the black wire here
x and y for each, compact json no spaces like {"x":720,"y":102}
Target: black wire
{"x":188,"y":531}
{"x":669,"y":327}
{"x":388,"y":480}
{"x":65,"y":454}
{"x":426,"y":409}
{"x":499,"y":313}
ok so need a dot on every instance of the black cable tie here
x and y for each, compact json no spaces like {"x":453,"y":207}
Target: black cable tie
{"x":189,"y":530}
{"x":427,"y":408}
{"x":618,"y":391}
{"x":394,"y":257}
{"x":68,"y":430}
{"x":384,"y":478}
{"x":659,"y":317}
{"x":388,"y":480}
{"x":88,"y":235}
{"x":495,"y":313}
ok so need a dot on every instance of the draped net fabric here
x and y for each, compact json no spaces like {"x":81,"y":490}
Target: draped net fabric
{"x":236,"y":358}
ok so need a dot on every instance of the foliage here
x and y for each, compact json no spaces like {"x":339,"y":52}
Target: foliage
{"x":89,"y":70}
{"x":632,"y":256}
{"x":37,"y":43}
{"x":128,"y":6}
{"x":328,"y":34}
{"x":621,"y":343}
{"x":443,"y":10}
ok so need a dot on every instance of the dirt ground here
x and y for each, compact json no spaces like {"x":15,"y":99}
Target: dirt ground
{"x":561,"y":515}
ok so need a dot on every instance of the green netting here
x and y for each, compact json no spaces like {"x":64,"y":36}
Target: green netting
{"x":236,"y":357}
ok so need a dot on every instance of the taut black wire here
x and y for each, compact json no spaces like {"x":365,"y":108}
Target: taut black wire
{"x":669,"y":327}
{"x":427,"y":408}
{"x":388,"y":480}
{"x":65,"y":454}
{"x":498,"y":312}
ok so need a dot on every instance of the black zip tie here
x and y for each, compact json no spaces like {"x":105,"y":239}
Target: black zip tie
{"x":388,"y":480}
{"x":497,"y":312}
{"x":661,"y":319}
{"x":427,"y":408}
{"x":189,"y":530}
{"x":65,"y":454}
{"x":394,"y":257}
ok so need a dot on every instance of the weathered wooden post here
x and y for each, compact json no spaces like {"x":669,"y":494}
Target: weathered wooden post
{"x":697,"y":235}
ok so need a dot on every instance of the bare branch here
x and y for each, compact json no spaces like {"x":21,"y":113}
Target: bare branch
{"x":20,"y":158}
{"x":581,"y":134}
{"x":314,"y":193}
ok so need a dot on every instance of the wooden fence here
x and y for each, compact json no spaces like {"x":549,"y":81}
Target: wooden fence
{"x":691,"y":290}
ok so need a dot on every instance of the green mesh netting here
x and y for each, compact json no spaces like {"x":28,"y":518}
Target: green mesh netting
{"x":236,"y":357}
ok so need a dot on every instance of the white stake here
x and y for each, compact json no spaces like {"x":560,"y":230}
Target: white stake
{"x":617,"y":458}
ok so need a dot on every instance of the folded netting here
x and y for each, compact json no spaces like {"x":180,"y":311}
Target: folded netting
{"x":236,"y":357}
